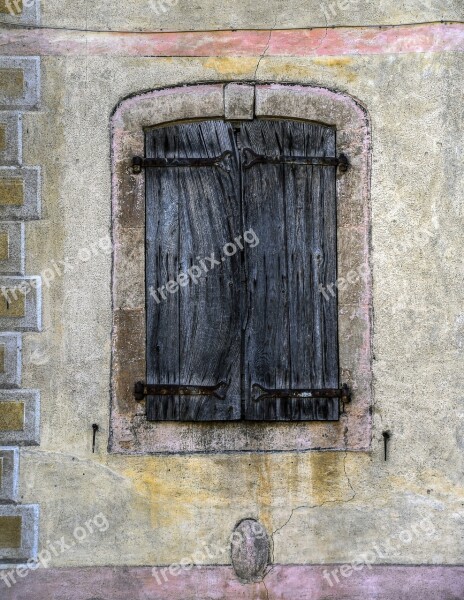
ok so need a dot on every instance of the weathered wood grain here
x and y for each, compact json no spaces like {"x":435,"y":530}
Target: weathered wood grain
{"x":258,"y":317}
{"x":290,"y":334}
{"x":193,"y":337}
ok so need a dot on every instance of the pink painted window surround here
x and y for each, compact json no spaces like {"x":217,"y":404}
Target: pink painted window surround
{"x":131,"y":433}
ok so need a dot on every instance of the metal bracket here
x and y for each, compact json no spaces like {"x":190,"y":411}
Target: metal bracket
{"x":141,"y":389}
{"x":139,"y":163}
{"x":261,"y":393}
{"x":251,"y":158}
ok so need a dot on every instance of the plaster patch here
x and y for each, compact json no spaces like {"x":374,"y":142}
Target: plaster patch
{"x":20,"y":303}
{"x":11,"y":416}
{"x":20,"y":12}
{"x":11,"y":248}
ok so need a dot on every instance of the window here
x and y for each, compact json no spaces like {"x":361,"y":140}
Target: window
{"x":231,"y":118}
{"x":240,"y":237}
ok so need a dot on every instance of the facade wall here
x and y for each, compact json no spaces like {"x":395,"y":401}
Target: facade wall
{"x":319,"y":507}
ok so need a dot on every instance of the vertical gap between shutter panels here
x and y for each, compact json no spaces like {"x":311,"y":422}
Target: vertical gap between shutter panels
{"x":243,"y":273}
{"x":178,"y":400}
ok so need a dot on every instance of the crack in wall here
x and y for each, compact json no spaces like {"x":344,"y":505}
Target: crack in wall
{"x":265,"y":49}
{"x":9,"y":25}
{"x":265,"y":587}
{"x":310,"y":507}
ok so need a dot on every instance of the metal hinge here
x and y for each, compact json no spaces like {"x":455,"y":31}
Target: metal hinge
{"x":251,"y":158}
{"x":261,"y":393}
{"x":139,"y":163}
{"x":141,"y":389}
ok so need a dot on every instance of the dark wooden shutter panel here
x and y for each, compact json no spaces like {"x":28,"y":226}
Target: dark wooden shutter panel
{"x":290,"y":336}
{"x":193,"y":337}
{"x":258,"y":318}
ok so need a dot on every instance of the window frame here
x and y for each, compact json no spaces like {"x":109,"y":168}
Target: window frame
{"x":130,"y":431}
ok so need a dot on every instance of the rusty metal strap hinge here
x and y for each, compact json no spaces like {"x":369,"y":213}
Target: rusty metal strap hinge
{"x":142,"y":389}
{"x":251,"y":158}
{"x":261,"y":393}
{"x":139,"y":163}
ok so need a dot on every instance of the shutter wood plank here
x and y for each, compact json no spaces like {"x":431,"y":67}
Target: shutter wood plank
{"x":291,"y":334}
{"x":193,"y":337}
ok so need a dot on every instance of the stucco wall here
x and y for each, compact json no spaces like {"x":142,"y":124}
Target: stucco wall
{"x":169,"y":503}
{"x":206,"y":15}
{"x":321,"y":507}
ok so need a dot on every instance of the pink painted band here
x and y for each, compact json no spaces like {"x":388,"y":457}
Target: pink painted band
{"x":305,"y":582}
{"x":439,"y":37}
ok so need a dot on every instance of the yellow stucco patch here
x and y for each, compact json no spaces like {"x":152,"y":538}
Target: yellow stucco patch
{"x":168,"y":501}
{"x":11,"y":191}
{"x":4,"y":251}
{"x":13,"y":303}
{"x":11,"y":83}
{"x":2,"y":137}
{"x":10,"y":532}
{"x":11,"y":416}
{"x":273,"y":484}
{"x":11,"y":8}
{"x":333,"y":61}
{"x":231,"y":65}
{"x":292,"y":71}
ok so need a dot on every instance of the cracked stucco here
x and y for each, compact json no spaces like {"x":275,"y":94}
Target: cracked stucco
{"x":156,"y":15}
{"x":321,"y":507}
{"x":162,"y":508}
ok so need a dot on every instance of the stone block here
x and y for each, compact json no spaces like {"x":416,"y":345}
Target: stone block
{"x":19,"y":193}
{"x":9,"y":473}
{"x":239,"y":101}
{"x":19,"y":417}
{"x":12,"y":248}
{"x":20,"y":304}
{"x":19,"y":527}
{"x":10,"y":360}
{"x":10,"y":138}
{"x":19,"y":82}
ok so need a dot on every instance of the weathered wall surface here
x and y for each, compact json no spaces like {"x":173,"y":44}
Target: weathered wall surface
{"x":321,"y":507}
{"x":416,"y":211}
{"x":206,"y":15}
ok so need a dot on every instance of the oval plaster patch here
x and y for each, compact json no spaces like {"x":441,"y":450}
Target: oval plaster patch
{"x":250,"y":550}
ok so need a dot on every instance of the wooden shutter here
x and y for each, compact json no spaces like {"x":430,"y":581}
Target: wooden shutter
{"x":192,"y":210}
{"x":258,"y":320}
{"x":290,"y":336}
